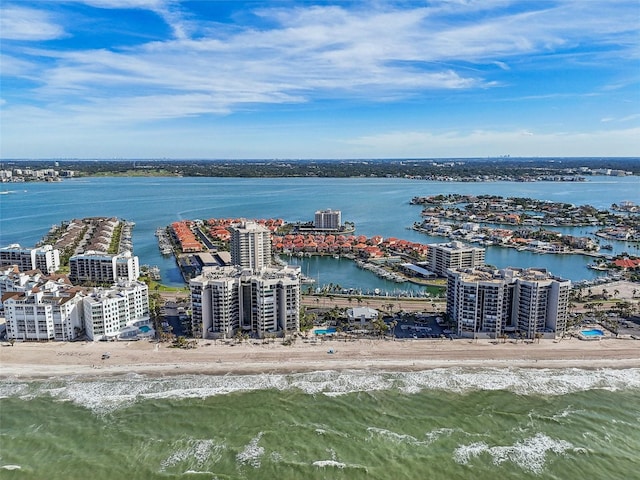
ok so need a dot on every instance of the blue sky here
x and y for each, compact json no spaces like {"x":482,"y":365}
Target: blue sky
{"x":286,"y":79}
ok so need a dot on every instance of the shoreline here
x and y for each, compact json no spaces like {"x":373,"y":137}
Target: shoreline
{"x":37,"y":361}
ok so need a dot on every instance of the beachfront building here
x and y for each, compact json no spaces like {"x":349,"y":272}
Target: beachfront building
{"x":362,"y":315}
{"x":118,"y":311}
{"x":230,"y":300}
{"x":443,"y":256}
{"x":96,"y":267}
{"x":45,"y":258}
{"x":327,"y":220}
{"x":250,"y":245}
{"x":41,"y":307}
{"x":488,"y":303}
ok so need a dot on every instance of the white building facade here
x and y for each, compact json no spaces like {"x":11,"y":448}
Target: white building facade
{"x":97,"y":267}
{"x":327,"y":220}
{"x":488,"y":303}
{"x":250,"y":245}
{"x":228,"y":300}
{"x":108,"y":312}
{"x":443,"y":256}
{"x":43,"y":309}
{"x":45,"y":258}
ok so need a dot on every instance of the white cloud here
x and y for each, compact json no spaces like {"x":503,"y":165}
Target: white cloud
{"x":482,"y":143}
{"x":369,"y":52}
{"x":18,"y":23}
{"x":327,"y":51}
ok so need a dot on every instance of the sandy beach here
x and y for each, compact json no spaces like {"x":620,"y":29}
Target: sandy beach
{"x":55,"y":359}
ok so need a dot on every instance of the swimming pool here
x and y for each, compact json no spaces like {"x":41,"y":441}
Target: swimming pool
{"x":325,"y":331}
{"x":592,"y":332}
{"x":144,"y":329}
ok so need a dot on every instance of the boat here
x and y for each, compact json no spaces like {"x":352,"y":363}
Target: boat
{"x":598,"y":266}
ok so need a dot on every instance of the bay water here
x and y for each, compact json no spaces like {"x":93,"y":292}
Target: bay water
{"x":378,"y":206}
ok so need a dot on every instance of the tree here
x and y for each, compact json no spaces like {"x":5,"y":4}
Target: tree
{"x":306,"y":319}
{"x":380,"y":327}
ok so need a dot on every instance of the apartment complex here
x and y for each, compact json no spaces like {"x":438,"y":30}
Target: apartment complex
{"x":250,"y":245}
{"x":443,"y":256}
{"x":40,"y":307}
{"x":117,"y":311}
{"x":328,"y":220}
{"x":250,"y":296}
{"x":49,"y":307}
{"x":97,"y":267}
{"x":488,"y":303}
{"x":45,"y":258}
{"x":227,"y":300}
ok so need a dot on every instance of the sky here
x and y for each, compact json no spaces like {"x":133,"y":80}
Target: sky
{"x":319,"y":80}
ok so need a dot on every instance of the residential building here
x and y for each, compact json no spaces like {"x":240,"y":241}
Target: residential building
{"x":250,"y":245}
{"x":108,"y":312}
{"x":40,"y":307}
{"x":95,"y":267}
{"x":45,"y":258}
{"x":228,"y":300}
{"x":488,"y":303}
{"x":443,"y":256}
{"x":328,"y":220}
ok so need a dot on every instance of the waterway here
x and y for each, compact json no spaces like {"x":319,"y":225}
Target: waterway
{"x":377,"y":206}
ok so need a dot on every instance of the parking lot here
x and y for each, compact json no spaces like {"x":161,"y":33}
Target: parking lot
{"x":423,"y":326}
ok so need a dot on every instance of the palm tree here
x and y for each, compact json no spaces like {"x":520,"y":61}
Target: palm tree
{"x":380,"y":327}
{"x":392,"y":325}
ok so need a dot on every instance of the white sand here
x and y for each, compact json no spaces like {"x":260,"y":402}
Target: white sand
{"x":38,"y":360}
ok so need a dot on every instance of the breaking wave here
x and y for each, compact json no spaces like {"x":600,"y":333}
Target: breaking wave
{"x":529,"y":454}
{"x":109,"y":394}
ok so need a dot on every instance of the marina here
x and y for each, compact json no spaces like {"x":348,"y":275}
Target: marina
{"x":164,"y":241}
{"x":377,"y":206}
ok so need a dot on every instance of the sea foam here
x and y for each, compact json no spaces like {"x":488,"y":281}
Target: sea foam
{"x":106,"y":395}
{"x":529,"y":454}
{"x":193,"y":451}
{"x":252,"y":453}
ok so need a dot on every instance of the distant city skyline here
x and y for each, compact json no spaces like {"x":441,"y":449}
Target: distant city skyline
{"x":324,"y":79}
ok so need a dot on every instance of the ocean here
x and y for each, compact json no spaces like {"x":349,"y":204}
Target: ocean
{"x":453,"y":423}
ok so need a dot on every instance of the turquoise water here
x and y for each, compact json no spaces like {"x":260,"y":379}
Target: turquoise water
{"x":593,"y":332}
{"x":324,"y":331}
{"x":438,"y":424}
{"x":145,"y":329}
